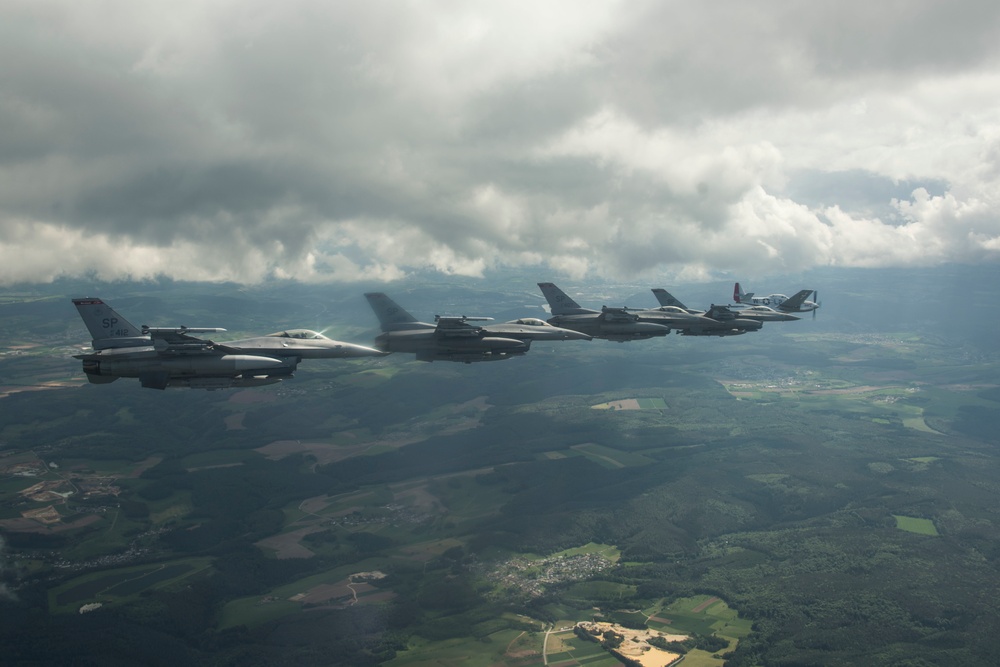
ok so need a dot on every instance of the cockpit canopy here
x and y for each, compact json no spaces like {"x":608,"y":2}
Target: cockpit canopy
{"x":531,"y":322}
{"x":303,"y":334}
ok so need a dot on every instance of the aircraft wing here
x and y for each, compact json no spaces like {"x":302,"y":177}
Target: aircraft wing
{"x":795,"y":301}
{"x":178,"y":340}
{"x":458,"y":327}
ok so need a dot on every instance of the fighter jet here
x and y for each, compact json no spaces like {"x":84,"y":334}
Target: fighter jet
{"x":717,"y":321}
{"x":759,"y":313}
{"x":164,"y":357}
{"x":459,"y":338}
{"x":616,"y":324}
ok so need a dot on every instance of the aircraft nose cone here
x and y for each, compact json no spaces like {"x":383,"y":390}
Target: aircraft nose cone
{"x":352,"y":350}
{"x":576,"y":335}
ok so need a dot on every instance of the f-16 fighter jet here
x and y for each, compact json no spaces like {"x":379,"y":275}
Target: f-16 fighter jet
{"x":616,"y":324}
{"x":459,"y":338}
{"x":717,"y":321}
{"x":759,"y":313}
{"x":164,"y":357}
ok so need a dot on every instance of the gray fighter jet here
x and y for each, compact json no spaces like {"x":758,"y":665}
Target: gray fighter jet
{"x":459,"y":338}
{"x":164,"y":357}
{"x":618,"y":324}
{"x":717,"y":321}
{"x":759,"y":313}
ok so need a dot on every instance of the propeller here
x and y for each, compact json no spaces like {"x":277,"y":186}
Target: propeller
{"x":818,"y":304}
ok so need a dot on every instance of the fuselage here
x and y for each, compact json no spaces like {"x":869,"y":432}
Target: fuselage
{"x":301,"y":343}
{"x":764,"y":314}
{"x":696,"y":324}
{"x":430,"y":341}
{"x":471,"y":343}
{"x":596,"y":325}
{"x":777,"y":301}
{"x":532,"y":328}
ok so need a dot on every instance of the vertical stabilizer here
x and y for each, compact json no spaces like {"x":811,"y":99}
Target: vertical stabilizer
{"x":107,"y":328}
{"x":739,"y":296}
{"x":559,"y":302}
{"x":666,"y":298}
{"x":391,"y":315}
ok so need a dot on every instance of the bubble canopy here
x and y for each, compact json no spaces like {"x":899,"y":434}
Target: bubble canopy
{"x":531,"y":321}
{"x":302,"y":334}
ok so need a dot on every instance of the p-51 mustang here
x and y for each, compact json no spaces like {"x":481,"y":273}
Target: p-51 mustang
{"x":162,"y":357}
{"x":796,"y":303}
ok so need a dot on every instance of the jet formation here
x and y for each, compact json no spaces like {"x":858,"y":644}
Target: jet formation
{"x":723,"y":312}
{"x":625,"y":324}
{"x":162,"y":357}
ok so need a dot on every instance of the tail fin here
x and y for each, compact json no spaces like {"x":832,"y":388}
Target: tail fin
{"x":666,"y":298}
{"x":107,"y":328}
{"x":739,"y":296}
{"x":391,"y":315}
{"x":559,"y":302}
